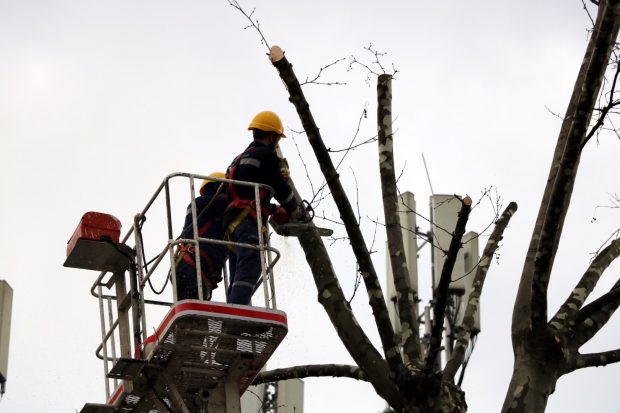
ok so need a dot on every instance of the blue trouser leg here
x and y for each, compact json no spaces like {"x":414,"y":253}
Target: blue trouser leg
{"x":186,"y":281}
{"x":246,"y":270}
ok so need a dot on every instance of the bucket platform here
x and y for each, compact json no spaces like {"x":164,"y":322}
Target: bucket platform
{"x":203,"y":354}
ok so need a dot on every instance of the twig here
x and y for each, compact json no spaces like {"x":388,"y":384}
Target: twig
{"x":314,"y":80}
{"x":253,"y":23}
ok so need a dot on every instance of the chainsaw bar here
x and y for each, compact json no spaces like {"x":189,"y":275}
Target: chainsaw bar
{"x":295,"y":229}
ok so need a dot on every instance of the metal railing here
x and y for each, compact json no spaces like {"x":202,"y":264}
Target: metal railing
{"x":115,"y":324}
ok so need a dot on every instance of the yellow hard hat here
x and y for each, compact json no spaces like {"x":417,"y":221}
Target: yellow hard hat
{"x":267,"y":121}
{"x":217,"y":175}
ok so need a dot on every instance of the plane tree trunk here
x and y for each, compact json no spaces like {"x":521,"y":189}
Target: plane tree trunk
{"x":545,"y":350}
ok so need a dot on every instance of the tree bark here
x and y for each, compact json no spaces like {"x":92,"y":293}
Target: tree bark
{"x":530,"y":311}
{"x":405,"y":297}
{"x":533,"y":380}
{"x":545,"y":350}
{"x":564,"y":318}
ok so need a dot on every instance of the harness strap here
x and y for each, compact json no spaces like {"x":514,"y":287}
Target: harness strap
{"x":237,"y":201}
{"x":230,"y":229}
{"x":184,"y":253}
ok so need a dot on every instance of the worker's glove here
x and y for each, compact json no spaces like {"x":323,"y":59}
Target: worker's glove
{"x":284,"y":169}
{"x":280,"y":216}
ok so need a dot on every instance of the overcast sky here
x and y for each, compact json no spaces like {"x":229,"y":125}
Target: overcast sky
{"x":99,"y":101}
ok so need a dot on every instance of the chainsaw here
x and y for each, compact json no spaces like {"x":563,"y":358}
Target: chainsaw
{"x":283,"y":225}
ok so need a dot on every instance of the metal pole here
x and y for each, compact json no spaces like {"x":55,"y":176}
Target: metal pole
{"x":170,"y":242}
{"x":272,"y":284}
{"x":195,"y":238}
{"x":140,"y":265}
{"x":103,"y":341}
{"x":259,"y":222}
{"x":123,"y":322}
{"x":112,"y":338}
{"x":135,"y":307}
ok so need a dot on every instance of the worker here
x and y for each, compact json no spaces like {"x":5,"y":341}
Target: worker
{"x":258,"y":163}
{"x":210,"y":206}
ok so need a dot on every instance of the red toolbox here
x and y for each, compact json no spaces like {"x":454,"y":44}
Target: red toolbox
{"x":95,"y":245}
{"x":95,"y":226}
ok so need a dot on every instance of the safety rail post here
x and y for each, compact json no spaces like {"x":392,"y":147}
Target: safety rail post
{"x":140,"y":267}
{"x":272,"y":284}
{"x":103,"y":340}
{"x":135,"y":308}
{"x":123,"y":321}
{"x":196,"y":245}
{"x":261,"y":243}
{"x":170,"y":239}
{"x":112,"y":338}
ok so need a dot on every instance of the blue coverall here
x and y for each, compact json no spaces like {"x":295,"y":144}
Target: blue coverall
{"x":258,"y":163}
{"x":212,"y":256}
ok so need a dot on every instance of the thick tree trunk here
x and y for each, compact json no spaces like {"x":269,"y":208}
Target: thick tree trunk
{"x":544,"y":351}
{"x":533,"y":380}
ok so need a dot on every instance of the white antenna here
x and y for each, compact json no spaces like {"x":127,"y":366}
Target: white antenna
{"x":427,"y":175}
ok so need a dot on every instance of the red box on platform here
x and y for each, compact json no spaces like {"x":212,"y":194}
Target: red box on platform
{"x":96,"y":226}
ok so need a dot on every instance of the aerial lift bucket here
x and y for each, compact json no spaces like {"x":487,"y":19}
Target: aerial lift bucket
{"x":202,"y":357}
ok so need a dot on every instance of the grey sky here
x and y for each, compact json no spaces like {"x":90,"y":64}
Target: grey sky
{"x":100,"y":100}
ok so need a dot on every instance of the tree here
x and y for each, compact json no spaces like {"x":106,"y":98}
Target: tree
{"x":544,"y":350}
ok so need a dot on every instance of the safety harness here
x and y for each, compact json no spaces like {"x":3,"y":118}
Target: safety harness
{"x":246,"y":206}
{"x":187,"y":252}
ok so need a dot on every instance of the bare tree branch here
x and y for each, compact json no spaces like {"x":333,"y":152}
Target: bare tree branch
{"x":473,"y":303}
{"x":541,"y":353}
{"x":370,"y":68}
{"x":375,"y":294}
{"x":594,"y":316}
{"x":530,"y":312}
{"x":595,"y":360}
{"x":565,"y":316}
{"x":348,"y":328}
{"x":602,"y":116}
{"x":441,"y":292}
{"x":254,"y":23}
{"x":316,"y":370}
{"x":588,"y":11}
{"x":346,"y":151}
{"x":315,"y":79}
{"x":405,"y":297}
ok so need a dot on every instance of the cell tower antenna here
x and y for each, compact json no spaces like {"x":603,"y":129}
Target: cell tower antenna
{"x":428,"y":175}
